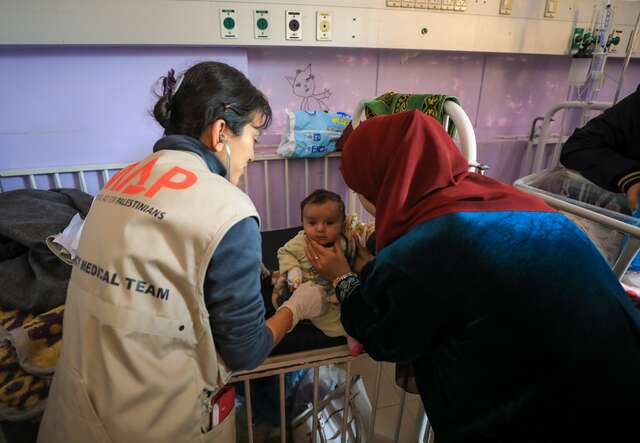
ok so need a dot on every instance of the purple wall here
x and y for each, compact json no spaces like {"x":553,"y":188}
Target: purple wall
{"x":349,"y":75}
{"x":74,"y":106}
{"x":82,"y":105}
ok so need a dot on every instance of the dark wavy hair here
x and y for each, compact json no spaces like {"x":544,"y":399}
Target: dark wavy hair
{"x":320,"y":196}
{"x":210,"y":91}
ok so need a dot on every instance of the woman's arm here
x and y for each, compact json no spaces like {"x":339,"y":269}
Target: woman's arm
{"x":388,"y":312}
{"x":279,"y":323}
{"x":233,"y":299}
{"x":598,"y":150}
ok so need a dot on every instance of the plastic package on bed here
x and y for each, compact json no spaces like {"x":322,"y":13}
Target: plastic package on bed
{"x":573,"y":188}
{"x":312,"y":134}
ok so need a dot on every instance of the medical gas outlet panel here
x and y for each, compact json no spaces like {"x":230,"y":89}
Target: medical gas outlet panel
{"x":501,"y":26}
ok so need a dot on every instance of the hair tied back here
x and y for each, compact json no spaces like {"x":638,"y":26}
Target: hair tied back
{"x":168,"y":83}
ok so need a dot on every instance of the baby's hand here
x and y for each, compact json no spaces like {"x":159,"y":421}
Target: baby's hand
{"x":294,"y":278}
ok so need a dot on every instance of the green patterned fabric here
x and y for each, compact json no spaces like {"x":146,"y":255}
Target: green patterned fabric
{"x":393,"y":102}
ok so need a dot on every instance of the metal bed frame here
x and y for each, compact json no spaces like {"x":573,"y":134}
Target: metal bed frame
{"x":543,"y":163}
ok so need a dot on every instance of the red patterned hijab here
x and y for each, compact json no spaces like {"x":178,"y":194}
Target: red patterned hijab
{"x":410,"y":169}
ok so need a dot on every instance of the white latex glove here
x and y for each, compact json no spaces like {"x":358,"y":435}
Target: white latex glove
{"x":294,"y":277}
{"x":308,"y":301}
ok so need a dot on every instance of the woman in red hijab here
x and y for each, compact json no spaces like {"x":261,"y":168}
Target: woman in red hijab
{"x":515,"y":326}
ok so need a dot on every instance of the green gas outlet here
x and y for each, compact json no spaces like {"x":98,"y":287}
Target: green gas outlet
{"x":228,"y":23}
{"x":576,"y":41}
{"x":261,"y":24}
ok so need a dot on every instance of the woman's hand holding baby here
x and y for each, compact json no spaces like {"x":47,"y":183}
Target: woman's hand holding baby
{"x":330,"y":262}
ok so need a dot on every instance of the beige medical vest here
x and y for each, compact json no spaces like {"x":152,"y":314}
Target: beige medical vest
{"x":138,"y":354}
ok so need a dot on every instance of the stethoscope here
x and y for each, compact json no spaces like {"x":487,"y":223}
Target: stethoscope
{"x":227,"y":149}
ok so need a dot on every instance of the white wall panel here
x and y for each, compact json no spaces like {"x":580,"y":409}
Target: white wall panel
{"x":356,"y":23}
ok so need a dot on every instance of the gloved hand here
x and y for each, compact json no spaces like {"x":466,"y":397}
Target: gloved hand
{"x":294,"y":277}
{"x":308,"y":301}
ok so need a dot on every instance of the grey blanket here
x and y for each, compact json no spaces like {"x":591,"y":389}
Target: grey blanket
{"x":32,"y":279}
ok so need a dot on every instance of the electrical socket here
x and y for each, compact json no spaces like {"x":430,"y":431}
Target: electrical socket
{"x":261,"y":24}
{"x":228,"y":23}
{"x":293,"y":25}
{"x":324,"y":26}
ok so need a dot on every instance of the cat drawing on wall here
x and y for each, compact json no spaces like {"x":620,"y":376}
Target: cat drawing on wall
{"x":304,"y":85}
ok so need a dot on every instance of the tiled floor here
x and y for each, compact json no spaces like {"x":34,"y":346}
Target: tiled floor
{"x":389,"y":403}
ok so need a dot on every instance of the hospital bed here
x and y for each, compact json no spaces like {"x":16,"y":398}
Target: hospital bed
{"x":306,"y":347}
{"x":602,"y":214}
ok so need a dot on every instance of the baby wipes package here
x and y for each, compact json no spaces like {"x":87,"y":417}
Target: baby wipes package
{"x":312,"y":134}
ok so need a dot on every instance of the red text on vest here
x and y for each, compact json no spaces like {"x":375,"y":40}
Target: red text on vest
{"x":176,"y":178}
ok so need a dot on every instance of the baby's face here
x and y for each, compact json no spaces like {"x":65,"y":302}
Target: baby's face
{"x":322,"y":222}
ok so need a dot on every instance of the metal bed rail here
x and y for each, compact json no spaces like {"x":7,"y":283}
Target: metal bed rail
{"x":541,"y":146}
{"x":54,"y":173}
{"x":280,"y":365}
{"x":353,"y":205}
{"x":595,"y":214}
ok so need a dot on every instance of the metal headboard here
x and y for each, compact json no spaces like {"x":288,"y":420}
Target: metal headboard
{"x":54,"y":172}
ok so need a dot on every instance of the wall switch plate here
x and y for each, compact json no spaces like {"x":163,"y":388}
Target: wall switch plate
{"x":293,"y":25}
{"x":551,"y":8}
{"x":421,"y":4}
{"x":324,"y":26}
{"x":228,"y":23}
{"x":506,"y":6}
{"x":261,"y":24}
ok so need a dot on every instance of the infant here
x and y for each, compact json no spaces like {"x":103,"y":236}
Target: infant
{"x":324,"y":221}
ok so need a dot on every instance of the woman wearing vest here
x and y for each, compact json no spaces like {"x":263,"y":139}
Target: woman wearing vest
{"x":513,"y":323}
{"x":164,"y":298}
